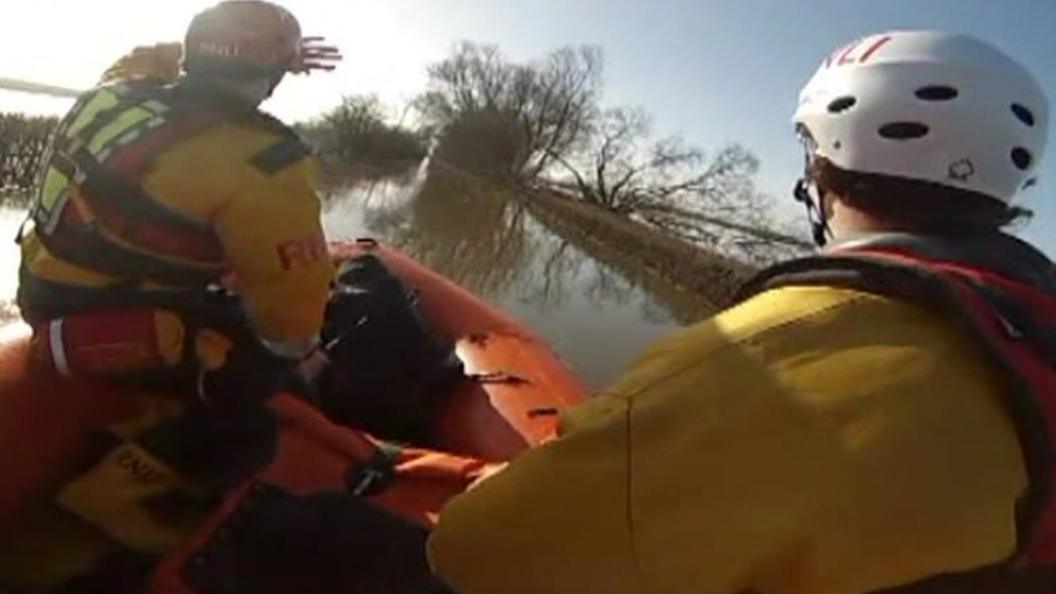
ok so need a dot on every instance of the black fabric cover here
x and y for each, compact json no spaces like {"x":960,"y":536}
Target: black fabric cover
{"x":389,"y":372}
{"x":332,"y":543}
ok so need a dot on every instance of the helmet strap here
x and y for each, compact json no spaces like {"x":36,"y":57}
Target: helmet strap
{"x":274,"y":80}
{"x":819,"y":224}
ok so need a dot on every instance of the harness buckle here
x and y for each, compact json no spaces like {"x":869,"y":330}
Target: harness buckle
{"x":372,"y":476}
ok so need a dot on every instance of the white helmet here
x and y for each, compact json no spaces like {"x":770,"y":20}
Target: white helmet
{"x":923,"y":105}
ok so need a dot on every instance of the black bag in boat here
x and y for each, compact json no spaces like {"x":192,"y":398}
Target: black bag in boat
{"x":328,"y":543}
{"x":389,"y":372}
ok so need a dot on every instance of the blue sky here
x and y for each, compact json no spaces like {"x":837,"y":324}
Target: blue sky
{"x":730,"y":71}
{"x":712,"y":71}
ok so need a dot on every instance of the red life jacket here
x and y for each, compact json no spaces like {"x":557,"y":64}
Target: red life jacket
{"x":407,"y":485}
{"x":92,"y":209}
{"x":1003,"y":292}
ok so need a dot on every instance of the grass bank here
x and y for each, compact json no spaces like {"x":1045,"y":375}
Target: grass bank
{"x":706,"y":281}
{"x":704,"y":274}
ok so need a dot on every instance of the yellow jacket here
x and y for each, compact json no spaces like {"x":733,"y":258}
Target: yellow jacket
{"x":811,"y":440}
{"x":267,"y":223}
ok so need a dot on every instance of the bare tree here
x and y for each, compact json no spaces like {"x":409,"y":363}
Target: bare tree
{"x":677,"y":188}
{"x":726,"y":211}
{"x":472,"y":78}
{"x":624,"y":171}
{"x":539,"y":122}
{"x":535,"y":110}
{"x":562,"y":106}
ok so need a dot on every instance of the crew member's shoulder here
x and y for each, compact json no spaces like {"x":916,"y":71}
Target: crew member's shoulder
{"x":787,"y":322}
{"x":788,"y":312}
{"x":261,"y":141}
{"x":791,"y":307}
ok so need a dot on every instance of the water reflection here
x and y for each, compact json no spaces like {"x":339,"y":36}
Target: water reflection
{"x":480,"y":242}
{"x":595,"y":313}
{"x":10,"y":256}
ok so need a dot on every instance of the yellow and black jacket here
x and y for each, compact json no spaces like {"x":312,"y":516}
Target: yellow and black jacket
{"x":151,"y":190}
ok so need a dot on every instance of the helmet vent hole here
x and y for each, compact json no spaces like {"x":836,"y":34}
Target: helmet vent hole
{"x":1022,"y":158}
{"x":842,"y":104}
{"x":936,"y":93}
{"x":1023,"y":114}
{"x":904,"y":130}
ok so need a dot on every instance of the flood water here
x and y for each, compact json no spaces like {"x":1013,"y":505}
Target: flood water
{"x":597,"y":313}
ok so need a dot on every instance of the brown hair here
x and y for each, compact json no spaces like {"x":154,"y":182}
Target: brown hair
{"x":913,"y":204}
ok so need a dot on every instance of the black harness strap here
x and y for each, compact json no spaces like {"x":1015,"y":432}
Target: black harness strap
{"x":103,"y":188}
{"x":371,"y":477}
{"x":41,"y":300}
{"x":1002,"y":578}
{"x":280,"y":155}
{"x":87,"y":247}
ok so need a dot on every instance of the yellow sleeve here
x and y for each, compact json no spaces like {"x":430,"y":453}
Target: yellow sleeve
{"x":273,"y":239}
{"x":555,"y":521}
{"x":796,"y":453}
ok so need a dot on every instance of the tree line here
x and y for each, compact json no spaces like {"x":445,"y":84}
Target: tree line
{"x":355,"y":134}
{"x":23,"y":142}
{"x":359,"y":133}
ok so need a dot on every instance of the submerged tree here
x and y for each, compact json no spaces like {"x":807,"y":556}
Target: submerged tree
{"x":710,"y":200}
{"x":519,"y":115}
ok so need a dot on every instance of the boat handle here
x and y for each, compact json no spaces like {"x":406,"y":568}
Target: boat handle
{"x":498,"y":377}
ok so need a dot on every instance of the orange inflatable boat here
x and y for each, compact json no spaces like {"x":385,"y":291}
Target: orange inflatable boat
{"x":514,"y":390}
